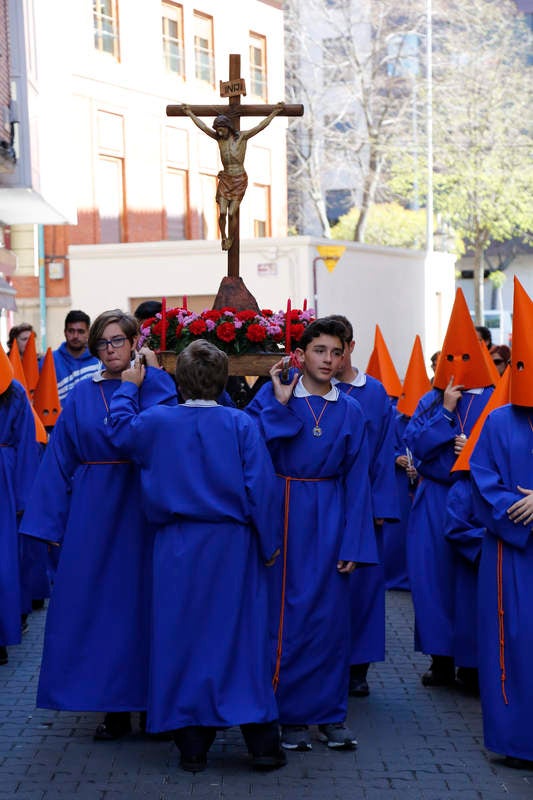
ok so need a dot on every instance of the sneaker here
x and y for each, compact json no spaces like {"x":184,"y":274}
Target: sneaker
{"x":337,"y":735}
{"x":295,"y":737}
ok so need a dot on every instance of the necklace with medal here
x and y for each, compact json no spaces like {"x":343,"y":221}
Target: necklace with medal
{"x":462,"y":422}
{"x":317,"y":430}
{"x":105,"y":403}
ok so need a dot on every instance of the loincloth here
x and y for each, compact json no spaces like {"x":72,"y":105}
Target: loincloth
{"x":231,"y":187}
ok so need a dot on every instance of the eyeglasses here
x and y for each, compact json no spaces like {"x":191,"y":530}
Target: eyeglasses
{"x":115,"y":342}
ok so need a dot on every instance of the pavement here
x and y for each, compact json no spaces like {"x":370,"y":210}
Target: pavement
{"x":415,"y":743}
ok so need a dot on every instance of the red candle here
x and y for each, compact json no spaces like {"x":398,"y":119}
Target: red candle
{"x":288,"y":328}
{"x":163,"y":345}
{"x":305,"y":304}
{"x":184,"y":301}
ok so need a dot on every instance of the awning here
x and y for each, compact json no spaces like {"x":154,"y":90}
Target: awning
{"x":7,"y":296}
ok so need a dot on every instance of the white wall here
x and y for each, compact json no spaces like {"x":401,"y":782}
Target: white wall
{"x":401,"y":290}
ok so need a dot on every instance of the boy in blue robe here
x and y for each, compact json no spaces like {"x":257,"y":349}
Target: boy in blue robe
{"x":208,"y":487}
{"x":367,"y":587}
{"x":19,"y":458}
{"x":436,"y":434}
{"x":502,"y":472}
{"x":316,"y":436}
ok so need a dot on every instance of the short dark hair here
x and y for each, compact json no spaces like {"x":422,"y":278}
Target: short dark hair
{"x":77,"y":316}
{"x":147,"y":309}
{"x":347,"y":325}
{"x":485,"y":335}
{"x":127,"y":323}
{"x":15,"y":331}
{"x":327,"y":326}
{"x":201,"y":371}
{"x":223,"y":121}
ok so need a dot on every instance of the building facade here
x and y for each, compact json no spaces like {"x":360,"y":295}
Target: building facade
{"x":136,"y":175}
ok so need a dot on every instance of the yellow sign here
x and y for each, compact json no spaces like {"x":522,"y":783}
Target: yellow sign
{"x":330,"y":254}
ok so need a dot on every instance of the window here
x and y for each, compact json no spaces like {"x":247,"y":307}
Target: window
{"x":260,"y":203}
{"x":110,"y":198}
{"x":204,"y":54}
{"x":338,"y":202}
{"x":258,"y":70}
{"x":172,"y":22}
{"x":105,"y":24}
{"x":337,"y":66}
{"x":176,"y":204}
{"x":208,"y":210}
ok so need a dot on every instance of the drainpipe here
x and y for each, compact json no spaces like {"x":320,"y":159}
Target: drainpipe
{"x":42,"y":288}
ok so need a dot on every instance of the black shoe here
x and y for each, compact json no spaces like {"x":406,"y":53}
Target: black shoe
{"x":358,"y":688}
{"x":37,"y":605}
{"x":115,"y":726}
{"x":467,"y":681}
{"x":269,"y":761}
{"x":194,"y":763}
{"x":517,"y":763}
{"x":3,"y":655}
{"x":434,"y":677}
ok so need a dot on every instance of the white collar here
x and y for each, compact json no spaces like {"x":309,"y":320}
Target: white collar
{"x":358,"y":381}
{"x":201,"y":403}
{"x":474,"y":391}
{"x":301,"y":391}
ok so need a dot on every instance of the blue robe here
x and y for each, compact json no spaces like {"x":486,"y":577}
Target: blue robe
{"x":324,"y":481}
{"x":430,"y":436}
{"x":395,"y":533}
{"x":209,"y":488}
{"x":501,"y":461}
{"x":19,"y":459}
{"x":465,"y":533}
{"x":367,"y":586}
{"x":95,"y":654}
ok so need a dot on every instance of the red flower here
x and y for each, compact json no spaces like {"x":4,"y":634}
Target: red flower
{"x":226,"y":332}
{"x":173,"y":312}
{"x":212,"y":314}
{"x":256,"y":333}
{"x":147,"y":322}
{"x":246,"y":316}
{"x":179,"y":329}
{"x":297,"y":331}
{"x":157,"y":328}
{"x":267,"y":312}
{"x":278,"y":337}
{"x":295,"y":314}
{"x":198,"y":327}
{"x":228,"y":308}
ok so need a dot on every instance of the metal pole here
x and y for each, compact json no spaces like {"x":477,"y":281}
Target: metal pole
{"x":429,"y":122}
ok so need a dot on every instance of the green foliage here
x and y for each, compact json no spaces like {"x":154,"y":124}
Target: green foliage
{"x":389,"y":224}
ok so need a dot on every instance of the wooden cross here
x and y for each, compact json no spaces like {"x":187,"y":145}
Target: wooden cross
{"x":234,"y":110}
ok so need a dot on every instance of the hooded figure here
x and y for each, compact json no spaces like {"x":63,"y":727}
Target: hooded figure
{"x":436,"y":434}
{"x":502,"y":472}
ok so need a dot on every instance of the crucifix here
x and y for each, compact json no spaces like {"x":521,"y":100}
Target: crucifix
{"x":232,"y":180}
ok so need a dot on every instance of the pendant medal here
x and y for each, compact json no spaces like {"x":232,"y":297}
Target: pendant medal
{"x":317,"y":431}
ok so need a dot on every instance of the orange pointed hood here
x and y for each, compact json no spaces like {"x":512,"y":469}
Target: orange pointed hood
{"x":6,"y":371}
{"x":462,"y":358}
{"x":40,"y":432}
{"x":499,"y":397}
{"x":522,"y":353}
{"x":381,"y":367}
{"x":30,"y":364}
{"x":46,"y":397}
{"x":16,"y":363}
{"x":416,"y":381}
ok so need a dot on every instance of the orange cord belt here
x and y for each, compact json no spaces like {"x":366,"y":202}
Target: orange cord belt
{"x":501,"y":627}
{"x":288,"y":480}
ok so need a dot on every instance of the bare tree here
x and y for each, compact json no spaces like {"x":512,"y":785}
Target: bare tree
{"x":355,"y":66}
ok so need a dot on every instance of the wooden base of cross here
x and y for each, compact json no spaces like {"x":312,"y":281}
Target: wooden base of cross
{"x":233,"y":292}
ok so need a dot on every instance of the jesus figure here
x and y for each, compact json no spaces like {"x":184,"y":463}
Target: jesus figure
{"x":232,"y":179}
